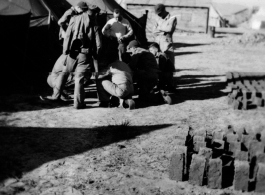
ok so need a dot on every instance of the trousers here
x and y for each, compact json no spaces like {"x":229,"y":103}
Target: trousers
{"x":79,"y":64}
{"x":146,"y":80}
{"x":106,"y":89}
{"x":56,"y":71}
{"x":166,"y":46}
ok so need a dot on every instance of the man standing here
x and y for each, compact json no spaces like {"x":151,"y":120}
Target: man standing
{"x":118,"y":29}
{"x":81,"y":49}
{"x":164,"y":28}
{"x":60,"y":63}
{"x":119,"y":84}
{"x":63,"y":22}
{"x":145,"y":68}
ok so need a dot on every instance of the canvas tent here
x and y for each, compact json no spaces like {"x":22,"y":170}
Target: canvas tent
{"x":30,"y":33}
{"x":107,"y":6}
{"x":257,"y":21}
{"x":215,"y":19}
{"x":219,"y":13}
{"x":28,"y":45}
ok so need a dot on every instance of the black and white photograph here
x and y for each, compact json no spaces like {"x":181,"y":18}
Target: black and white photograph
{"x":132,"y":97}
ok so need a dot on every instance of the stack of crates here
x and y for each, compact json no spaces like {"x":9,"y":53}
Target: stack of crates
{"x":247,"y":89}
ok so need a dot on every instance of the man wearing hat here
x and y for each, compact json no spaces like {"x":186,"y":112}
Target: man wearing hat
{"x":164,"y":28}
{"x":59,"y":64}
{"x":65,"y":19}
{"x":55,"y":78}
{"x":118,"y":30}
{"x":81,"y":49}
{"x":145,"y":68}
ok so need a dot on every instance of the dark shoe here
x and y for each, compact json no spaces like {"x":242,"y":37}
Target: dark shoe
{"x":101,"y":104}
{"x":66,"y":98}
{"x":114,"y":102}
{"x":51,"y":99}
{"x":81,"y":106}
{"x":171,"y":89}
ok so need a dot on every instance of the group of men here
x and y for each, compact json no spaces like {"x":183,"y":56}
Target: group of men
{"x":82,"y":43}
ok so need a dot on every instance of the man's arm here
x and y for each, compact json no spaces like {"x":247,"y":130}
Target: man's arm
{"x":64,"y":20}
{"x":105,"y":29}
{"x":155,"y":30}
{"x":95,"y":62}
{"x":101,"y":75}
{"x":162,"y":62}
{"x":129,"y":30}
{"x":134,"y":61}
{"x":169,"y":25}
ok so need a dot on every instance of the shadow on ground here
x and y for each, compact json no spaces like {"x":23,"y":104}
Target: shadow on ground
{"x":30,"y":101}
{"x":185,"y":53}
{"x":178,"y":45}
{"x":198,"y":87}
{"x":23,"y":149}
{"x":22,"y":102}
{"x":188,"y":87}
{"x":188,"y":69}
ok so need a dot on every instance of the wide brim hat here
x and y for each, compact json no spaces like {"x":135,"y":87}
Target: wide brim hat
{"x":82,"y":5}
{"x":133,"y":43}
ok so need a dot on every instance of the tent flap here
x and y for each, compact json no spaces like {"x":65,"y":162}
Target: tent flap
{"x":14,"y":7}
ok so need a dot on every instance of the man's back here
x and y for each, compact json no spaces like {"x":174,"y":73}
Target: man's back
{"x":79,"y":28}
{"x":144,"y":60}
{"x":121,"y":72}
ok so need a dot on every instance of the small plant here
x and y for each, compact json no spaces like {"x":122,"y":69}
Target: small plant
{"x":125,"y":123}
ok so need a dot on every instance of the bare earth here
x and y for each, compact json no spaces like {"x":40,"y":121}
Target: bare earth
{"x":46,"y":149}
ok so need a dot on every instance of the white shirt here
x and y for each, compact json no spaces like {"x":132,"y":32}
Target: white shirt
{"x":117,"y":29}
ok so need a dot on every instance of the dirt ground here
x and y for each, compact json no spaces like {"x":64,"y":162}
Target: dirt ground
{"x":49,"y":149}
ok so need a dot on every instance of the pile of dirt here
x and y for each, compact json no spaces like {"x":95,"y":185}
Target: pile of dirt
{"x":253,"y":39}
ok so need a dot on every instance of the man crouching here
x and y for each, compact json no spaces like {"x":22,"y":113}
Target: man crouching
{"x":116,"y":81}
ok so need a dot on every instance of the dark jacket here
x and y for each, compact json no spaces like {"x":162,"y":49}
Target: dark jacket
{"x":143,"y":60}
{"x":81,"y":31}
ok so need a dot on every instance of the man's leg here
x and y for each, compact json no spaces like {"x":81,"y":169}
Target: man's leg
{"x":166,"y":46}
{"x":166,"y":81}
{"x":51,"y":79}
{"x":103,"y":95}
{"x":59,"y":85}
{"x":119,"y":91}
{"x":146,"y":82}
{"x":80,"y":72}
{"x":123,"y":91}
{"x":171,"y":56}
{"x":57,"y":69}
{"x":79,"y":92}
{"x":106,"y":89}
{"x":121,"y":50}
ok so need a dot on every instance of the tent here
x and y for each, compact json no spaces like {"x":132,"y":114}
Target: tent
{"x":107,"y":7}
{"x":214,"y":17}
{"x":258,"y":19}
{"x":221,"y":13}
{"x":28,"y":46}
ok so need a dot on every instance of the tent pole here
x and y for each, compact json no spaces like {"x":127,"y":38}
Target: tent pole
{"x":207,"y":21}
